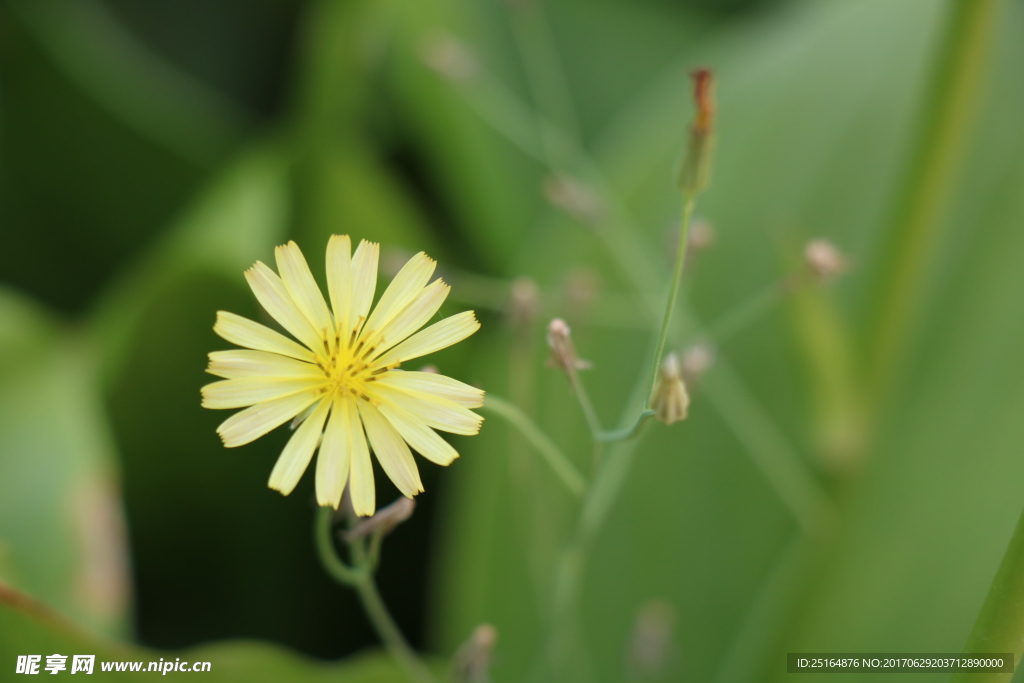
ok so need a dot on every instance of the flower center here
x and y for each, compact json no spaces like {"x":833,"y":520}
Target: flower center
{"x":350,"y":367}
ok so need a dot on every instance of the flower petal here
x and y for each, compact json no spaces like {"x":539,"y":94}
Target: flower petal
{"x":421,"y":437}
{"x":437,"y":385}
{"x":411,"y":318}
{"x":333,"y":462}
{"x":339,"y":280}
{"x":247,"y":391}
{"x":364,"y":281}
{"x":295,"y":457}
{"x":392,"y":452}
{"x":360,"y":484}
{"x":252,"y":335}
{"x":433,"y":411}
{"x":406,"y":286}
{"x":302,"y":288}
{"x":440,"y":335}
{"x":252,"y":423}
{"x":245,"y":363}
{"x":274,"y":297}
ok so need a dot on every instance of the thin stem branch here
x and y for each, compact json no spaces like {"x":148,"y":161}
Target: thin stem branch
{"x":673,"y":294}
{"x":552,"y":454}
{"x":593,"y":421}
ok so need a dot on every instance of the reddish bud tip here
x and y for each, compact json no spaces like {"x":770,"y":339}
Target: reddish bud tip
{"x":704,"y":98}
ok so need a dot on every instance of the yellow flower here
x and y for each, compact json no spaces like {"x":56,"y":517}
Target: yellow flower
{"x":341,"y":381}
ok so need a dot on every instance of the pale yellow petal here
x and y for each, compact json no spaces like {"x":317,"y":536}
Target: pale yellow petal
{"x":433,"y":411}
{"x":252,"y":335}
{"x":414,"y":316}
{"x":360,"y":483}
{"x":406,"y":286}
{"x":295,"y":457}
{"x":252,"y":423}
{"x":245,"y":363}
{"x":364,"y":281}
{"x":434,"y":384}
{"x":339,"y":280}
{"x":333,"y":461}
{"x":438,"y":336}
{"x":421,"y":437}
{"x":274,"y":297}
{"x":391,"y":450}
{"x":302,"y":288}
{"x":247,"y":391}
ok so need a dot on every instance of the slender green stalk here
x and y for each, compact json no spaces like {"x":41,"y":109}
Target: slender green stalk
{"x":1000,"y":625}
{"x":916,"y":227}
{"x":673,"y":294}
{"x":389,"y":632}
{"x":593,"y":421}
{"x":360,"y":577}
{"x":552,"y":454}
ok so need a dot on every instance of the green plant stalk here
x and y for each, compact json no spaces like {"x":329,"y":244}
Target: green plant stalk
{"x":916,"y":228}
{"x":360,"y":577}
{"x":1000,"y":625}
{"x":673,"y":294}
{"x":552,"y":454}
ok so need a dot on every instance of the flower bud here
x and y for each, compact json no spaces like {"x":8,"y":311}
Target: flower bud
{"x":449,"y":57}
{"x":575,"y":198}
{"x":697,"y":360}
{"x":670,"y":400}
{"x":650,"y":646}
{"x":695,"y":173}
{"x":384,"y":520}
{"x":563,"y":353}
{"x":825,"y":261}
{"x":523,"y":303}
{"x":472,"y":661}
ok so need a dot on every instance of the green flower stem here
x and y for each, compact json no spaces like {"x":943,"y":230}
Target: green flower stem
{"x":1000,"y":625}
{"x":627,"y":432}
{"x":673,"y":294}
{"x":360,"y":577}
{"x":593,"y":421}
{"x":552,"y":454}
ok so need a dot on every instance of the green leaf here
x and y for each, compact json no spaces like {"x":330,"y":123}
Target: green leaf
{"x":62,"y":534}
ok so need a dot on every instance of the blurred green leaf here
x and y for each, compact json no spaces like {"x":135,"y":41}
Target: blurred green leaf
{"x":28,"y":627}
{"x":62,"y":535}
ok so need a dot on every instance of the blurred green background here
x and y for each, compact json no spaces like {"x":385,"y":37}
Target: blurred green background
{"x":151,"y":151}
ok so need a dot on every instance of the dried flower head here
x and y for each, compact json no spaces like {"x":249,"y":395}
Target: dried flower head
{"x":342,"y":376}
{"x":670,"y":401}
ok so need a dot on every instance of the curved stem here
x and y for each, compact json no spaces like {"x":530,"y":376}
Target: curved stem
{"x":673,"y":294}
{"x":360,"y":577}
{"x":553,"y":455}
